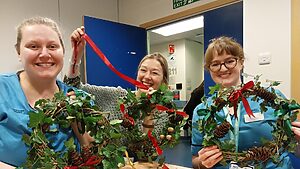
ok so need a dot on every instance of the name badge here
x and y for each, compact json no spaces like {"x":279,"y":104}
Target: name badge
{"x":257,"y":117}
{"x":234,"y":165}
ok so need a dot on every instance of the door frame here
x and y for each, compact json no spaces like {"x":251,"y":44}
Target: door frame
{"x":188,"y":13}
{"x":295,"y":59}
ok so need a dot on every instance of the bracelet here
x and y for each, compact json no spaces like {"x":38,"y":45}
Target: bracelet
{"x":73,"y":63}
{"x":147,"y":125}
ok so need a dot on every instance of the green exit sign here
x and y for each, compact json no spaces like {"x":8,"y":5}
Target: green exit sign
{"x":180,"y":3}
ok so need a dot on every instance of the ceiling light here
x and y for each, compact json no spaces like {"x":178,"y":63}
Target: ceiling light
{"x":181,"y":26}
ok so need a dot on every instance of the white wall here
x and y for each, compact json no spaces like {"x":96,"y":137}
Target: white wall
{"x":137,"y":12}
{"x":267,"y":28}
{"x":195,"y":66}
{"x":66,"y":12}
{"x":188,"y":61}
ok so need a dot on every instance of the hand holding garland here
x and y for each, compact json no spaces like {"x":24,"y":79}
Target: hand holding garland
{"x":78,"y":44}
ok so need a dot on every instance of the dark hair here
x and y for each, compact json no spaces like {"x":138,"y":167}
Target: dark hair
{"x":223,"y":45}
{"x":37,"y":21}
{"x":163,"y":62}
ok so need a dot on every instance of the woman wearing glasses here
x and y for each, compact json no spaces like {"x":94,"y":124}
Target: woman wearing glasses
{"x":224,"y":59}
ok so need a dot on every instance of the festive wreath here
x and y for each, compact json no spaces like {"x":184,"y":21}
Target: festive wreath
{"x":63,"y":111}
{"x":285,"y":111}
{"x":108,"y":149}
{"x":149,"y":146}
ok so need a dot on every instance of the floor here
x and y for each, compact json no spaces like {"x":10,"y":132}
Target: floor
{"x":181,"y":154}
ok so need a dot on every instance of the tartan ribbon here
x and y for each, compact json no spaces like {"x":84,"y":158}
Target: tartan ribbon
{"x":237,"y":94}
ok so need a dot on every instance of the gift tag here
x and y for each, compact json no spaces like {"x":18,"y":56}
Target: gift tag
{"x":258,"y":117}
{"x":234,"y":165}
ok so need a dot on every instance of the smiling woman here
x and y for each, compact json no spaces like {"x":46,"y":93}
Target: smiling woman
{"x":40,"y":49}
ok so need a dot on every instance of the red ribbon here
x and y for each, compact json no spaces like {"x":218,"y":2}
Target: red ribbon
{"x":163,"y":108}
{"x":234,"y":98}
{"x":93,"y":160}
{"x":165,"y":167}
{"x":108,"y":64}
{"x":122,"y":108}
{"x":75,"y":59}
{"x":154,"y":142}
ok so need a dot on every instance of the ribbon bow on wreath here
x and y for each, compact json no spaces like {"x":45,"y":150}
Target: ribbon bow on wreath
{"x":236,"y":95}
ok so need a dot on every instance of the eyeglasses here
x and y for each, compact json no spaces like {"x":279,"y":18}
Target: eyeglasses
{"x":229,"y":63}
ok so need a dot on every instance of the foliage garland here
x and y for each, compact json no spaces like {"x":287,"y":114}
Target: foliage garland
{"x":108,"y":149}
{"x":283,"y":138}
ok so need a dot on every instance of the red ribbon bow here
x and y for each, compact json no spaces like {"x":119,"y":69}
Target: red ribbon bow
{"x":163,"y":108}
{"x":154,"y":142}
{"x":93,"y":160}
{"x":234,"y":98}
{"x":109,"y":65}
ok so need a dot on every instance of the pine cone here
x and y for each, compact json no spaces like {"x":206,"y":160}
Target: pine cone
{"x":222,"y":129}
{"x":86,"y":153}
{"x":264,"y":94}
{"x":258,"y":154}
{"x":175,"y":119}
{"x":220,"y":103}
{"x":126,"y":123}
{"x":74,"y":158}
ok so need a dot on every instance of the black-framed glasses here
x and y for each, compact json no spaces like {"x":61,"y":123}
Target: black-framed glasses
{"x":229,"y":63}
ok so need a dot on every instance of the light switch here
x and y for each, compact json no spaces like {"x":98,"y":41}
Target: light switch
{"x":264,"y":58}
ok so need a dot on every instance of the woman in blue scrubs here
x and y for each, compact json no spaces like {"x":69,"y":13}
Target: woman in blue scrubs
{"x":224,"y":59}
{"x":41,"y":51}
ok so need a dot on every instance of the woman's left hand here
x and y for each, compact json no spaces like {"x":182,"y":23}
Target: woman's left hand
{"x":296,"y":129}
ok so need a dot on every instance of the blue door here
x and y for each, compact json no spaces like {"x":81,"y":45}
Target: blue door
{"x":123,"y":45}
{"x":225,"y":21}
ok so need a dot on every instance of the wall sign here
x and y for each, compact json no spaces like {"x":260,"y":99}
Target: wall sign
{"x":171,"y":48}
{"x":180,"y":3}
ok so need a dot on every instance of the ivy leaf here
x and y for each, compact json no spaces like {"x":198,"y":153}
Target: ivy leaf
{"x":35,"y":119}
{"x":288,"y":127}
{"x":202,"y":112}
{"x":70,"y":144}
{"x":213,"y":89}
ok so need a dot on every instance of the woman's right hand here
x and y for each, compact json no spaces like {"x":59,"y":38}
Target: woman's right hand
{"x":209,"y":156}
{"x":76,"y":39}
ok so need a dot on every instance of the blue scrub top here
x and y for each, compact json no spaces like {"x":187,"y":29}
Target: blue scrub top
{"x":14,"y":118}
{"x":250,"y":133}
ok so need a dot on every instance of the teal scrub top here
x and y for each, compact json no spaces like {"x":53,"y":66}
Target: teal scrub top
{"x":14,"y":118}
{"x":250,"y":133}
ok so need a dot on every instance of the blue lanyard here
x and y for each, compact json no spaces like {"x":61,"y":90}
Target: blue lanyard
{"x":234,"y":137}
